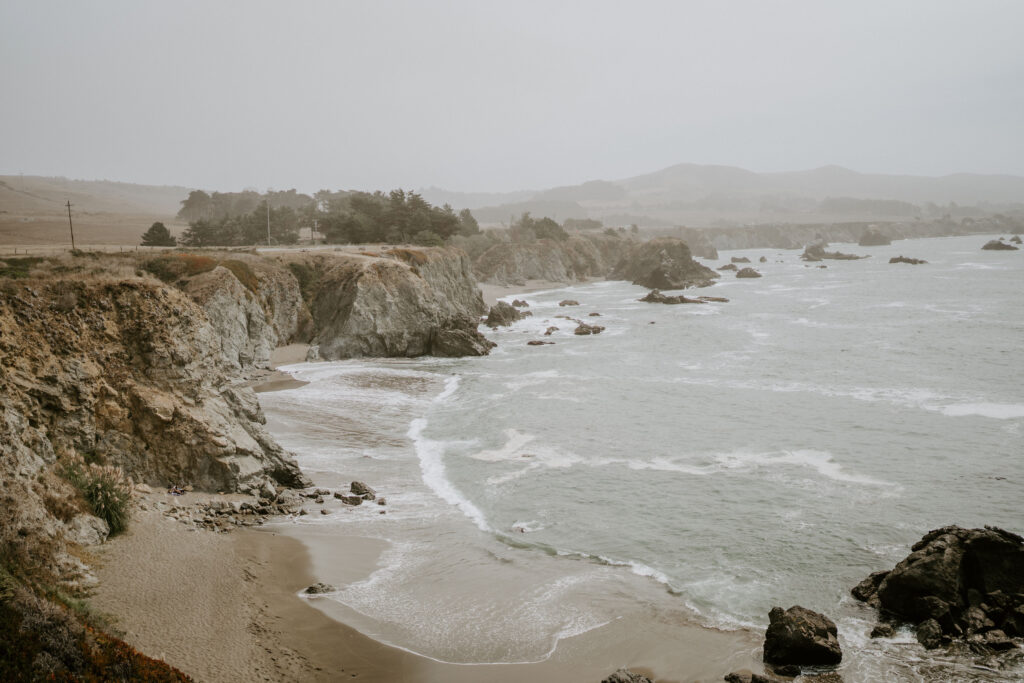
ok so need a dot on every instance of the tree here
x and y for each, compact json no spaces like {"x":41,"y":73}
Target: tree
{"x":158,"y":236}
{"x":467,"y":223}
{"x":427,"y":238}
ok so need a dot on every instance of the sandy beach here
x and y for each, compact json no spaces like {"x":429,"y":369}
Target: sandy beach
{"x":494,"y":292}
{"x":226,"y":607}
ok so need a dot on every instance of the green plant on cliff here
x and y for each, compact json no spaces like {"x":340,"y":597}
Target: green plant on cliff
{"x":18,"y":267}
{"x":105,"y":488}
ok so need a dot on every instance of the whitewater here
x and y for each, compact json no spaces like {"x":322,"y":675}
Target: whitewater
{"x":692,"y":463}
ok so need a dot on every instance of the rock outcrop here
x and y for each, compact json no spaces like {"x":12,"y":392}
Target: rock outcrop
{"x":664,"y":263}
{"x":873,"y":237}
{"x":626,"y":676}
{"x":748,"y":272}
{"x":956,"y":583}
{"x":998,"y":245}
{"x":408,"y":302}
{"x":906,"y":259}
{"x":571,"y":260}
{"x":656,"y":297}
{"x":816,"y":252}
{"x":801,"y":637}
{"x":503,"y":314}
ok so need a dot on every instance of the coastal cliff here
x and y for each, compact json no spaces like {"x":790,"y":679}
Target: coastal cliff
{"x":664,"y":263}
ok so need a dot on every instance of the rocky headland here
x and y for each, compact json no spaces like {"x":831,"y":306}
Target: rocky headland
{"x":122,"y":373}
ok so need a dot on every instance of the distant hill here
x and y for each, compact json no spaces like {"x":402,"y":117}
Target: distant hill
{"x":703,"y":195}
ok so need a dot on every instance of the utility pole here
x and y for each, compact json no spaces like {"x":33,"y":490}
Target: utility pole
{"x":71,"y":227}
{"x":268,"y":221}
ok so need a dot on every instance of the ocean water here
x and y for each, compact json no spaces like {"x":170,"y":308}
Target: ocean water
{"x":691,"y":464}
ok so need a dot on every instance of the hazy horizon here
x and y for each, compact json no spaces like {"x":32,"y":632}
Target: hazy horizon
{"x":468,"y":97}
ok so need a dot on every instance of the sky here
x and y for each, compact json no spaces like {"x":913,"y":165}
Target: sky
{"x":501,"y":96}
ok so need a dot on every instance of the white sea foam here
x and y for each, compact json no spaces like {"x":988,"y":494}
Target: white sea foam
{"x":998,"y":411}
{"x":431,"y":457}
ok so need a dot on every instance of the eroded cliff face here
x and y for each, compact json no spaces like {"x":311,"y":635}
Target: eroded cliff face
{"x":402,"y":302}
{"x":664,"y":263}
{"x":133,"y":372}
{"x":572,"y":260}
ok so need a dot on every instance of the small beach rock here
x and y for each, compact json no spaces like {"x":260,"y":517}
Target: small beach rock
{"x":883,"y":631}
{"x":347,"y":499}
{"x":748,"y":272}
{"x":801,"y":636}
{"x":568,"y":302}
{"x":999,"y":245}
{"x":87,"y":529}
{"x":362,"y":490}
{"x":318,"y":588}
{"x":627,"y":676}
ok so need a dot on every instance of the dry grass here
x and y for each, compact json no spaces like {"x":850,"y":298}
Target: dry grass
{"x":410,"y":256}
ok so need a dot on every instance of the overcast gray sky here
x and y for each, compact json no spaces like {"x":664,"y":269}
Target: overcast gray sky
{"x":504,"y":95}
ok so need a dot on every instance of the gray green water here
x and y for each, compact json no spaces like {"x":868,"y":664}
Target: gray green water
{"x":699,"y":462}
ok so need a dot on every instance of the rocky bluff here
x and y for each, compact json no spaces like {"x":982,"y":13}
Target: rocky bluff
{"x":662,"y":263}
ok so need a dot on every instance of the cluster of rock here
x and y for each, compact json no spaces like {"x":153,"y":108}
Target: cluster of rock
{"x":816,"y":252}
{"x":583,"y":328}
{"x":907,"y":259}
{"x":873,"y":237}
{"x":956,"y":584}
{"x":656,"y":297}
{"x":999,"y":245}
{"x":626,"y":676}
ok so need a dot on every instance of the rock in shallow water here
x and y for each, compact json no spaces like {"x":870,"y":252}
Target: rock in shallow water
{"x":627,"y":676}
{"x":801,"y":636}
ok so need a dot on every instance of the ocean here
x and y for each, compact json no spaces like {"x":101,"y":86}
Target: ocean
{"x":690,"y":464}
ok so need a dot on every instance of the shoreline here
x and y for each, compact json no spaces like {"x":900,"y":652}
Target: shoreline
{"x":492,"y":293}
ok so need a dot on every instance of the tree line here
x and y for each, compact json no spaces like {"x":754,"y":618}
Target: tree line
{"x":241,"y":218}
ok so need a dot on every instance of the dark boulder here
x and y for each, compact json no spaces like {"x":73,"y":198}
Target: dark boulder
{"x":319,"y":588}
{"x":547,"y":332}
{"x":568,"y":302}
{"x":746,"y":676}
{"x":1016,"y":239}
{"x":999,"y":245}
{"x":456,"y":342}
{"x":519,"y":303}
{"x":739,"y":259}
{"x":656,"y":297}
{"x":748,"y":272}
{"x":538,"y":342}
{"x":503,"y":314}
{"x":362,"y":490}
{"x":763,"y":259}
{"x":872,"y":237}
{"x":963,"y":581}
{"x":729,"y":266}
{"x":929,"y":634}
{"x":802,"y":637}
{"x":584,"y":328}
{"x":905,"y":259}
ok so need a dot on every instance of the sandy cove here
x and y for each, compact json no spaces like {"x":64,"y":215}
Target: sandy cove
{"x":227,"y":607}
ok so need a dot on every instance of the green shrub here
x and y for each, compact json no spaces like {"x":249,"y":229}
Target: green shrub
{"x":427,"y":238}
{"x":105,"y":488}
{"x":243,"y":273}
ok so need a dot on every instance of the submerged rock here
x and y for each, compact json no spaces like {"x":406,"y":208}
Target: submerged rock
{"x":748,"y":272}
{"x":656,"y":297}
{"x":739,"y":259}
{"x":519,"y":303}
{"x":568,"y":302}
{"x":905,"y":259}
{"x":801,"y":636}
{"x":955,"y":583}
{"x":729,"y":266}
{"x":538,"y":342}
